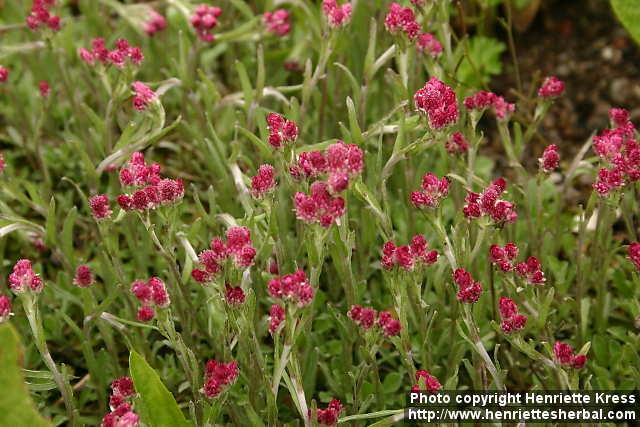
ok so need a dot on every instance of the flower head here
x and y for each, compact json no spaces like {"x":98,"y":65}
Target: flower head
{"x":408,"y":256}
{"x":531,"y":271}
{"x":23,"y":278}
{"x":488,"y":203}
{"x":218,"y":377}
{"x":402,"y":20}
{"x":44,"y":88}
{"x":550,"y":159}
{"x":151,"y":293}
{"x":41,"y":16}
{"x":293,"y":288}
{"x":365,"y":317}
{"x":143,"y":95}
{"x":234,"y":295}
{"x":319,"y":206}
{"x":552,"y":87}
{"x":439,"y":102}
{"x":426,"y":382}
{"x":564,"y":355}
{"x":99,"y":205}
{"x":634,"y":254}
{"x":457,"y":144}
{"x":5,"y":308}
{"x":484,"y":99}
{"x":389,"y":325}
{"x":512,"y":321}
{"x":329,"y":415}
{"x":433,"y":190}
{"x":277,"y":22}
{"x":428,"y":44}
{"x":281,"y":131}
{"x":337,"y":15}
{"x":276,"y":317}
{"x":83,"y":277}
{"x":4,"y":74}
{"x":204,"y":19}
{"x":469,"y":290}
{"x":264,"y":181}
{"x":154,"y":23}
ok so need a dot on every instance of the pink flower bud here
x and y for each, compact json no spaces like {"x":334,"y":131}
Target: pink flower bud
{"x":5,"y":308}
{"x":550,"y":159}
{"x":145,"y":313}
{"x":552,"y":87}
{"x":276,"y":317}
{"x":99,"y":205}
{"x":83,"y":277}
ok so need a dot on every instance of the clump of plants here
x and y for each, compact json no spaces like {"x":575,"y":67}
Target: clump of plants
{"x":261,"y":213}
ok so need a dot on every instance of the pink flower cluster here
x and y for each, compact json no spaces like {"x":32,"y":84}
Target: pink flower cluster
{"x":337,"y":15}
{"x":264,"y":181}
{"x":408,"y":256}
{"x":23,"y":278}
{"x":341,"y":162}
{"x":151,"y":293}
{"x":277,"y":22}
{"x":619,"y":149}
{"x":438,"y":101}
{"x":550,"y":159}
{"x":427,"y":43}
{"x":469,"y":290}
{"x":142,"y":95}
{"x":151,"y":190}
{"x":426,"y":382}
{"x":504,"y":257}
{"x":489,"y":203}
{"x":276,"y":317}
{"x":119,"y":57}
{"x":293,"y":288}
{"x":154,"y":23}
{"x":40,"y":15}
{"x":4,"y":74}
{"x":83,"y":277}
{"x":512,"y":321}
{"x":634,"y":254}
{"x":367,"y":317}
{"x":552,"y":87}
{"x":234,"y":295}
{"x":238,"y":248}
{"x":329,"y":415}
{"x":44,"y":89}
{"x":218,"y":377}
{"x":401,"y":19}
{"x":204,"y":20}
{"x":121,"y":414}
{"x":5,"y":308}
{"x":281,"y":130}
{"x":456,"y":144}
{"x":100,"y":208}
{"x":484,"y":99}
{"x":565,"y":356}
{"x":433,"y":190}
{"x":319,"y":206}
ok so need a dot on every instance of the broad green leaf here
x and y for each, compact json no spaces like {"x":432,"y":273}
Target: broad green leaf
{"x":160,"y":409}
{"x":628,"y":12}
{"x":16,"y":406}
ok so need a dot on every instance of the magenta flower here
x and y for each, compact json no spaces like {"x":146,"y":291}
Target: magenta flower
{"x":294,"y":288}
{"x":5,"y":308}
{"x":634,"y":254}
{"x":389,"y":325}
{"x":277,"y":22}
{"x":319,"y":206}
{"x":428,"y":44}
{"x":337,"y":15}
{"x":143,"y":96}
{"x":238,"y":248}
{"x":4,"y":74}
{"x":550,"y":159}
{"x":402,"y":20}
{"x":154,"y":23}
{"x":234,"y":295}
{"x":365,"y":317}
{"x":407,"y":256}
{"x":512,"y":321}
{"x":264,"y":181}
{"x":83,"y":277}
{"x":433,"y":190}
{"x":439,"y":102}
{"x":44,"y":88}
{"x":151,"y":293}
{"x":457,"y":144}
{"x":204,"y":20}
{"x":483,"y":99}
{"x":276,"y":317}
{"x":100,"y":208}
{"x":564,"y":355}
{"x":329,"y":415}
{"x":41,"y":16}
{"x":281,"y":131}
{"x":218,"y":377}
{"x":552,"y":87}
{"x":426,"y":382}
{"x":531,"y":271}
{"x":469,"y":290}
{"x":488,"y":203}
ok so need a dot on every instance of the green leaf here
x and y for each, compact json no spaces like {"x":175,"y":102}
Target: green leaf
{"x":16,"y":406}
{"x":482,"y":60}
{"x":628,"y":12}
{"x":160,"y":409}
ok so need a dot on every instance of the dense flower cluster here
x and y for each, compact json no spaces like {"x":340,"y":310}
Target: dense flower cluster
{"x":234,"y":295}
{"x":100,"y":208}
{"x":204,"y":20}
{"x":5,"y":308}
{"x":238,"y":248}
{"x":277,"y":22}
{"x":408,"y":256}
{"x":469,"y":290}
{"x":340,"y":162}
{"x":121,"y":414}
{"x":329,"y":415}
{"x":565,"y":355}
{"x":484,"y":99}
{"x":550,"y":159}
{"x":505,"y":258}
{"x":552,"y":87}
{"x":457,"y":144}
{"x":433,"y":190}
{"x":367,"y":317}
{"x":319,"y":206}
{"x":151,"y":293}
{"x":428,"y":44}
{"x":426,"y":382}
{"x":488,"y":203}
{"x":512,"y":321}
{"x":401,"y":20}
{"x":276,"y":317}
{"x":119,"y":57}
{"x":154,"y":23}
{"x":620,"y":151}
{"x":151,"y":190}
{"x":142,"y":96}
{"x":438,"y":101}
{"x":337,"y":15}
{"x":83,"y":277}
{"x":23,"y":278}
{"x":264,"y":181}
{"x":293,"y":288}
{"x":41,"y":16}
{"x":218,"y":377}
{"x":634,"y":254}
{"x":4,"y":74}
{"x":44,"y":89}
{"x":281,"y":131}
